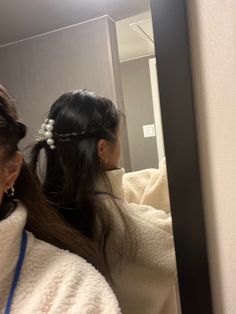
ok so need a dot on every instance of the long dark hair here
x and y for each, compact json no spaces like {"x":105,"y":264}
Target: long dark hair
{"x":43,"y":221}
{"x":73,"y":168}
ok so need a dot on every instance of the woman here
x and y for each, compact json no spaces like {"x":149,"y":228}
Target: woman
{"x":36,"y":277}
{"x":82,"y":180}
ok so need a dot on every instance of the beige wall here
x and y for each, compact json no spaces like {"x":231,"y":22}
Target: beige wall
{"x":213,"y":46}
{"x":137,"y":92}
{"x":38,"y":70}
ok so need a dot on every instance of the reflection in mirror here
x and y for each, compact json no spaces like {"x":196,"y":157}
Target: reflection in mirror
{"x":106,"y":48}
{"x":140,"y":90}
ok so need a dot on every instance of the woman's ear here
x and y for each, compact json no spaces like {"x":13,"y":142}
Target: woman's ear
{"x":12,"y":169}
{"x":102,"y":150}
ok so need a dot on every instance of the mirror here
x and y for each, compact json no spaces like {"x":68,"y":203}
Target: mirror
{"x":108,"y":47}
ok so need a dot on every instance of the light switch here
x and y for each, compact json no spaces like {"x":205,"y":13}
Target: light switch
{"x":149,"y":130}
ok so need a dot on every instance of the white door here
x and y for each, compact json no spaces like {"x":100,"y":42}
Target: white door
{"x":156,"y":108}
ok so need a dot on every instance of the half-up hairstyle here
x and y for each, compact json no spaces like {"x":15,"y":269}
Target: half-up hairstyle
{"x":81,"y":119}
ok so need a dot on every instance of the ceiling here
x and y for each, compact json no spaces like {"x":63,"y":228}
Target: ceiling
{"x":135,"y":36}
{"x":25,"y":18}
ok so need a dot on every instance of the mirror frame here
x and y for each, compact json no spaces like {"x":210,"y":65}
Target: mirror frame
{"x":180,"y":137}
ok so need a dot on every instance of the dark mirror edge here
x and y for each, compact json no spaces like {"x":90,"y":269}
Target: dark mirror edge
{"x":177,"y":107}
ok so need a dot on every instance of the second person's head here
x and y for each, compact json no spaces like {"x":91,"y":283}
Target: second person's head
{"x":87,"y":126}
{"x":81,"y":139}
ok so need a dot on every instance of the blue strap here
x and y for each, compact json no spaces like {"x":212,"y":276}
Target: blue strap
{"x":17,"y":271}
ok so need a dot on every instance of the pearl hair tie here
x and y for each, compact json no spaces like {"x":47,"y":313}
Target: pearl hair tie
{"x":45,"y":133}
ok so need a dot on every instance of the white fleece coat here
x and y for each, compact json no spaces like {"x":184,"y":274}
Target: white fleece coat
{"x":148,"y":187}
{"x":145,"y":284}
{"x":52,"y":281}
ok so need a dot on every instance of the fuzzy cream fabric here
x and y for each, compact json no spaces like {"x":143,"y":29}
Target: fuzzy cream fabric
{"x":52,"y":281}
{"x":145,"y":283}
{"x":148,"y":186}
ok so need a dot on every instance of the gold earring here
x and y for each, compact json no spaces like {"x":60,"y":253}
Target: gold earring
{"x":10,"y":193}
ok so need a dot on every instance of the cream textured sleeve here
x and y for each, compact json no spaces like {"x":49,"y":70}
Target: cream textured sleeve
{"x":149,"y":187}
{"x":153,"y":272}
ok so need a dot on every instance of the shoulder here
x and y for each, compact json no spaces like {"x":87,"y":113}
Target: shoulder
{"x":61,"y":263}
{"x":66,"y":281}
{"x":143,"y":221}
{"x":149,"y":232}
{"x":146,"y":217}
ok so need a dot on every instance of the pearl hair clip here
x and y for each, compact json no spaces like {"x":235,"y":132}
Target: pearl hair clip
{"x":45,"y":133}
